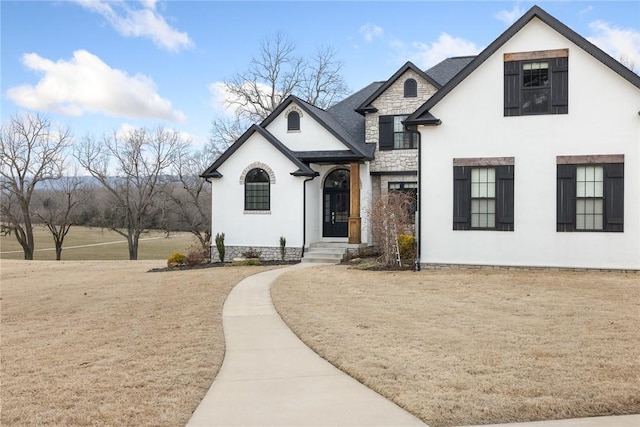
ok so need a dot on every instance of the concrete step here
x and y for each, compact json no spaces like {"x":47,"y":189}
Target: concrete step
{"x":326,"y":252}
{"x":312,"y":250}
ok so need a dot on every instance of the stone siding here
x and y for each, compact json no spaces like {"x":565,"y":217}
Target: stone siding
{"x":393,"y":102}
{"x":271,"y":253}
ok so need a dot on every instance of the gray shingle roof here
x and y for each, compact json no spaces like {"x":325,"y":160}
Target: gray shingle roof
{"x":447,"y":69}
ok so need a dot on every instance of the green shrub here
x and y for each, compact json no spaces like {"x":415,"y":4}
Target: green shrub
{"x":220,"y":246}
{"x":175,"y":259}
{"x":407,"y":246}
{"x":283,"y":248}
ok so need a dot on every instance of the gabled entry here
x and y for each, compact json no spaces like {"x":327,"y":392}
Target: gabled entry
{"x":336,"y":204}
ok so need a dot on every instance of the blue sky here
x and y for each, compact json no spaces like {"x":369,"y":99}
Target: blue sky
{"x":100,"y":66}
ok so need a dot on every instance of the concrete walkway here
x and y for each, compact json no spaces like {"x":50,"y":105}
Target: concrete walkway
{"x":271,"y":378}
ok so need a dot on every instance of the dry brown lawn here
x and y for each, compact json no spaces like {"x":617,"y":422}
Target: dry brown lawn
{"x":106,"y":343}
{"x":476,"y":346}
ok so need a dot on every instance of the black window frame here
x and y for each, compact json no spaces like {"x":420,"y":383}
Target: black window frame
{"x":410,"y":88}
{"x":257,"y":190}
{"x":516,"y":94}
{"x":387,"y":133}
{"x":293,"y":121}
{"x":504,"y":197}
{"x":412,"y":192}
{"x":613,"y":197}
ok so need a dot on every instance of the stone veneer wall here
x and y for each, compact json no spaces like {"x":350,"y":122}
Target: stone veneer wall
{"x":271,"y":253}
{"x":393,"y":102}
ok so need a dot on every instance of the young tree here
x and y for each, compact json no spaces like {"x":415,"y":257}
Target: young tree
{"x":59,"y":208}
{"x":273,"y":74}
{"x":189,"y":195}
{"x":31,"y":152}
{"x":390,"y":216}
{"x":132,"y":168}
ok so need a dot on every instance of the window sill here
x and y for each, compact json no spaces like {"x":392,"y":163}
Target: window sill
{"x":256,"y":212}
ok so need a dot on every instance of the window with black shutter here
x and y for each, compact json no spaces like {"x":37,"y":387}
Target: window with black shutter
{"x":590,"y":195}
{"x":293,"y":121}
{"x":483,"y":196}
{"x":536,"y":83}
{"x":394,"y":136}
{"x":410,"y":88}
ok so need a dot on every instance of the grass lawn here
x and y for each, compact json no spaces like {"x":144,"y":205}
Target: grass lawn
{"x":104,"y":245}
{"x":476,"y":346}
{"x":106,"y":343}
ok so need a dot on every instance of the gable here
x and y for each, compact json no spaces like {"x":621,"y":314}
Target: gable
{"x":535,"y":16}
{"x":312,"y":135}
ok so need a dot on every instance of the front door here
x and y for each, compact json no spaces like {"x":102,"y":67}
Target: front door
{"x":336,"y":204}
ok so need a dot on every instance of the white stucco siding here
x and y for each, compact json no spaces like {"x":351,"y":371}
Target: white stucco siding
{"x":603,"y":119}
{"x":246,"y":228}
{"x":312,"y":136}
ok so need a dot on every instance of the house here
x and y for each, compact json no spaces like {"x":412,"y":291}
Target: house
{"x":525,"y":155}
{"x":309,"y":175}
{"x":530,"y":156}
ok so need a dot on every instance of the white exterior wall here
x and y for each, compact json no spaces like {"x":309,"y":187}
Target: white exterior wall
{"x":312,"y":135}
{"x":603,"y":119}
{"x":251,"y":228}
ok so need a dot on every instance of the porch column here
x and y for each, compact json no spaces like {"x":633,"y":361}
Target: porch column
{"x":355,"y":233}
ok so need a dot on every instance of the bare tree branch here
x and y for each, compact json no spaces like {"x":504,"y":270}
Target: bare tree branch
{"x":31,"y":152}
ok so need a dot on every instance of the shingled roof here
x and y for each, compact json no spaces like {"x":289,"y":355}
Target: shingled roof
{"x":447,"y":69}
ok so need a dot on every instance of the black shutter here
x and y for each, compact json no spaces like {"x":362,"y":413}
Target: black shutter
{"x":614,"y":196}
{"x":461,"y":198}
{"x":560,"y":85}
{"x":512,"y":88}
{"x":504,"y":198}
{"x":293,"y":122}
{"x":386,"y":132}
{"x":566,"y":198}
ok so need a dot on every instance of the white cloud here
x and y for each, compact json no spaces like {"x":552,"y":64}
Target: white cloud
{"x":508,"y":17}
{"x":139,"y":22}
{"x":617,"y":42}
{"x":370,"y":31}
{"x":586,"y":11}
{"x":428,"y":54}
{"x":86,"y":84}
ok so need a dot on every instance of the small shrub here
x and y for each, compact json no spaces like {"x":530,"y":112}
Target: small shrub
{"x":220,"y":246}
{"x":251,"y":253}
{"x":195,"y":256}
{"x":175,"y":259}
{"x":407,"y":246}
{"x":283,"y":248}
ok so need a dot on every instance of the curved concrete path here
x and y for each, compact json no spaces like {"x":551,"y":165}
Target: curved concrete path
{"x":271,"y":378}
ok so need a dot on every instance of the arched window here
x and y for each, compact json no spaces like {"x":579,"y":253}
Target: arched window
{"x":293,"y":121}
{"x":410,"y":88}
{"x":256,"y":190}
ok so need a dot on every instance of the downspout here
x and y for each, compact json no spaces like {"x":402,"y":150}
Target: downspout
{"x":418,"y":197}
{"x":304,"y":214}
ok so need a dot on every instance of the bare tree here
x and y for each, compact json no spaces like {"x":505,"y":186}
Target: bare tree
{"x":390,"y":216}
{"x":273,"y":74}
{"x":59,"y":208}
{"x":31,"y":152}
{"x":189,"y":195}
{"x":628,"y":62}
{"x":132,"y":168}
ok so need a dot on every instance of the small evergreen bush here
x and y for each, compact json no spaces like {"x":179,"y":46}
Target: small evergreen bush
{"x":283,"y":248}
{"x":220,"y":246}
